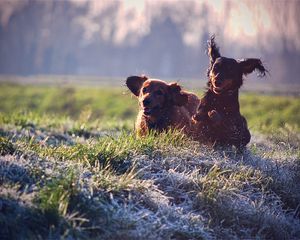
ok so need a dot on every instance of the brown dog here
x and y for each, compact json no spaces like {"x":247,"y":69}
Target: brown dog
{"x":162,"y":106}
{"x":219,"y":119}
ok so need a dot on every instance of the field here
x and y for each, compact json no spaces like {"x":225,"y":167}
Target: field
{"x":72,"y":167}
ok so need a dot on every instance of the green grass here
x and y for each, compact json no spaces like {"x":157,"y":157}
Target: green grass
{"x":67,"y":101}
{"x":72,"y":167}
{"x":112,"y":107}
{"x":53,"y":198}
{"x":269,"y":113}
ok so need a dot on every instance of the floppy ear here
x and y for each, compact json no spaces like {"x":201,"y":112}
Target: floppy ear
{"x":177,"y":97}
{"x":135,"y":83}
{"x":251,"y":64}
{"x":212,"y":52}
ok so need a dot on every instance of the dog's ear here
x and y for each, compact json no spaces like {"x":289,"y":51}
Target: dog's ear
{"x":251,"y":64}
{"x":212,"y":52}
{"x":135,"y":83}
{"x":177,"y":96}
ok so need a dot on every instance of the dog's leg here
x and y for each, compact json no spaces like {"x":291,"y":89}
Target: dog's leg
{"x":215,"y":117}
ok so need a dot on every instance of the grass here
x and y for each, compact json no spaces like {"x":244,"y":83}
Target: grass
{"x":269,"y":113}
{"x":68,"y":101}
{"x":71,"y":167}
{"x":6,"y":147}
{"x":96,"y":106}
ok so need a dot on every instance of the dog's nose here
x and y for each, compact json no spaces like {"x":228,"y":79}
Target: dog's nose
{"x":146,"y":102}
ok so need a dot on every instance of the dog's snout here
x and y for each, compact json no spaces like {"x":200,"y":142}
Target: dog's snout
{"x":146,"y":102}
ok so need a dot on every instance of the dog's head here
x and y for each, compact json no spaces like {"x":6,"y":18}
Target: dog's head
{"x":156,"y":96}
{"x":226,"y":74}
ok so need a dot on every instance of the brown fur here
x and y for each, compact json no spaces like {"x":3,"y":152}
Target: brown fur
{"x":218,"y":118}
{"x":162,"y":106}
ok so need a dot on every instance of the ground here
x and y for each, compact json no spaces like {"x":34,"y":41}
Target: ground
{"x":72,"y":167}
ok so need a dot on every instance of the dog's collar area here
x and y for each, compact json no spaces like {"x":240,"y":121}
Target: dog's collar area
{"x":158,"y":123}
{"x":153,"y":125}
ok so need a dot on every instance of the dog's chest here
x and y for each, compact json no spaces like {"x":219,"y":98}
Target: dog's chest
{"x":227,"y":105}
{"x":159,"y":124}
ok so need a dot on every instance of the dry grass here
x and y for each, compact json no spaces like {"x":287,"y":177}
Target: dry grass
{"x":91,"y":178}
{"x":158,"y":187}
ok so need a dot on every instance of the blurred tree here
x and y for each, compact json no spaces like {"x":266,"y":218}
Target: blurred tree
{"x":61,"y":37}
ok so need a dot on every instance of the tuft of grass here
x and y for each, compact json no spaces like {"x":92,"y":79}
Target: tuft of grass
{"x":115,"y":151}
{"x":54,"y":198}
{"x":105,"y":179}
{"x":6,"y":147}
{"x":219,"y":182}
{"x":59,"y":203}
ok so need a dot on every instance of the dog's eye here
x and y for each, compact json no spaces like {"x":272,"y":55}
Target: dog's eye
{"x":144,"y":90}
{"x":159,"y":92}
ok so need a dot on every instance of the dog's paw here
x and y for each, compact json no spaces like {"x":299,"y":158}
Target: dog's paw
{"x":194,"y":118}
{"x":198,"y":117}
{"x":215,"y":116}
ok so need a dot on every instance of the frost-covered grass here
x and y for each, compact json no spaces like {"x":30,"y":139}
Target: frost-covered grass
{"x":82,"y":177}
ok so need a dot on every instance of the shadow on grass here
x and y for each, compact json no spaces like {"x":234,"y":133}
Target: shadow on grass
{"x":17,"y":220}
